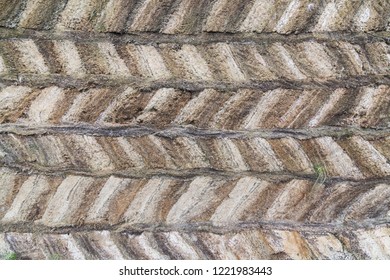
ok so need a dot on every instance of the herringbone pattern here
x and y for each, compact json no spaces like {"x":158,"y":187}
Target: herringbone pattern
{"x":194,"y":16}
{"x":208,"y":63}
{"x":240,"y":110}
{"x":195,"y":129}
{"x":128,"y":203}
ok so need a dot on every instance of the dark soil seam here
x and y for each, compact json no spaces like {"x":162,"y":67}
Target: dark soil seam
{"x":190,"y":174}
{"x":182,"y":131}
{"x":29,"y":227}
{"x":195,"y":39}
{"x":44,"y":80}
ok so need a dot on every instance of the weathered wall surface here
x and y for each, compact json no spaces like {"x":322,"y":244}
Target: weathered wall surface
{"x":183,"y":129}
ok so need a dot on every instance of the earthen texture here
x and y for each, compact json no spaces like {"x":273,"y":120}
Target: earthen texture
{"x":187,"y":129}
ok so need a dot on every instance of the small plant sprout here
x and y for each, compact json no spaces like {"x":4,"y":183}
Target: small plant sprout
{"x":321,"y":172}
{"x":11,"y":256}
{"x":55,"y":257}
